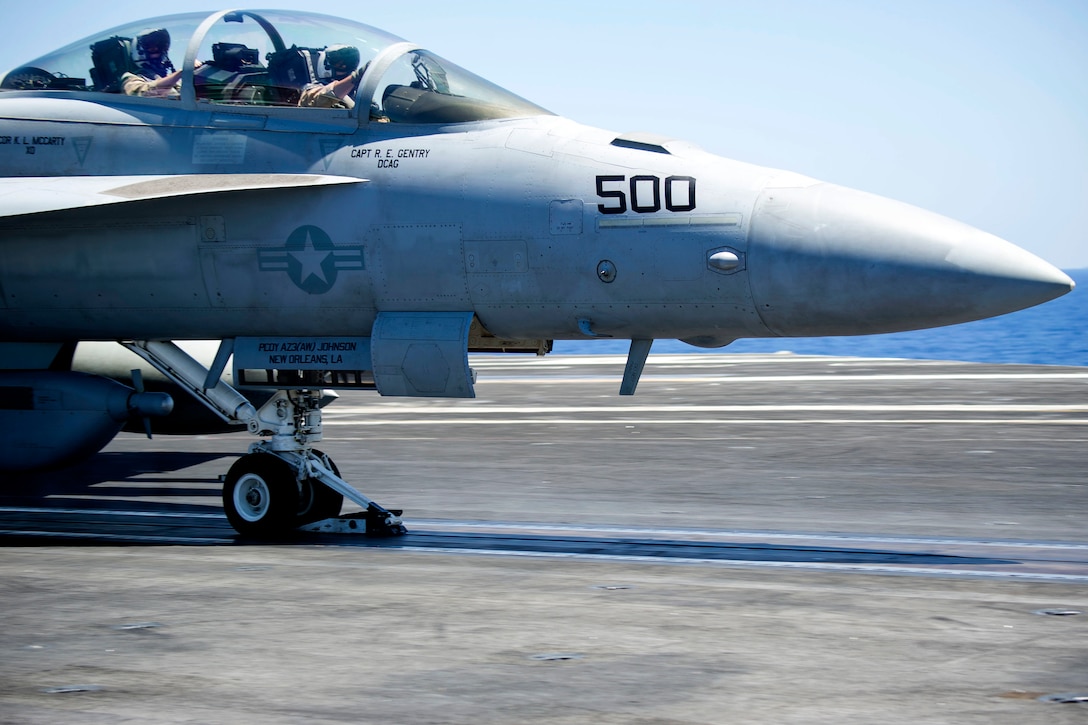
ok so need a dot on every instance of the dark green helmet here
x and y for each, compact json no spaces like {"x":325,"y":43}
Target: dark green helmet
{"x":154,"y":41}
{"x":341,"y":60}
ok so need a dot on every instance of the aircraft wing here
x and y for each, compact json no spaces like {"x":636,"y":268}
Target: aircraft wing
{"x":38,"y":195}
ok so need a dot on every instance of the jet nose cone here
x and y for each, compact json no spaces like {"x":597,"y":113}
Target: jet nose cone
{"x":827,"y":260}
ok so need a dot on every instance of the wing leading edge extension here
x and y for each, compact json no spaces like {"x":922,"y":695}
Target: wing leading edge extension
{"x":30,"y":196}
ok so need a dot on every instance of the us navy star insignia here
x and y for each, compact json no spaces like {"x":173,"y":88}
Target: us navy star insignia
{"x":311,"y":260}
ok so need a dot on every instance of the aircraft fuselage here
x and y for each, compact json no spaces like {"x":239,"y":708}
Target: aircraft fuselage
{"x":533,"y":224}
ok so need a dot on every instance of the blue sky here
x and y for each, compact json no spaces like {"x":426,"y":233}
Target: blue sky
{"x":976,"y":109}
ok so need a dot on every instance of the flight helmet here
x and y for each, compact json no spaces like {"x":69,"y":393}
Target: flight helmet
{"x":341,"y":60}
{"x":152,"y":53}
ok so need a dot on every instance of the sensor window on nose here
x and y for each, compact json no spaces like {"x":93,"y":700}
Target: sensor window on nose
{"x":724,"y":260}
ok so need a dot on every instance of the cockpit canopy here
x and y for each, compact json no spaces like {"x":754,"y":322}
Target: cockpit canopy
{"x":272,"y":59}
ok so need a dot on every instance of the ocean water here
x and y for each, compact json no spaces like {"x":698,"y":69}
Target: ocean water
{"x":1055,"y":333}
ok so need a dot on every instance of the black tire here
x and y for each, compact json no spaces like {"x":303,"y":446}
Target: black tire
{"x":260,"y":496}
{"x":317,"y":501}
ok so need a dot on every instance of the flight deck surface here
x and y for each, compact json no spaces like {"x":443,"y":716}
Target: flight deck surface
{"x":755,"y":538}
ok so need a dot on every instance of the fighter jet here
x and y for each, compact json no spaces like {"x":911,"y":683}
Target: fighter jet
{"x":340,"y":208}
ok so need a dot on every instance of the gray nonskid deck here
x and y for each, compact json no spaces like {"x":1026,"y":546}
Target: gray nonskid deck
{"x":749,"y":538}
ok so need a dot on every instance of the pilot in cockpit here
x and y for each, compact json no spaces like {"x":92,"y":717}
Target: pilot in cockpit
{"x":155,"y":74}
{"x":342,"y":61}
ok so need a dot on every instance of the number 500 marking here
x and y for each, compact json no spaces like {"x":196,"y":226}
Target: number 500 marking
{"x":645,"y":193}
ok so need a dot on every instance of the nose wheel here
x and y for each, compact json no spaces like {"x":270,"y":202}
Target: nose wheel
{"x":264,"y":498}
{"x":260,"y":495}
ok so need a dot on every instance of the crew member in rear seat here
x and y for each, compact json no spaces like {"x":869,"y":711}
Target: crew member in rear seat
{"x":342,"y":61}
{"x":156,"y":75}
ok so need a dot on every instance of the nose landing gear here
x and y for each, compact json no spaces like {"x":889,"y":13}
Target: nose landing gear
{"x":283,"y":483}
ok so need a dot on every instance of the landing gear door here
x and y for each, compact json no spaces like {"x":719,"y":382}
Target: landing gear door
{"x":422,"y":354}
